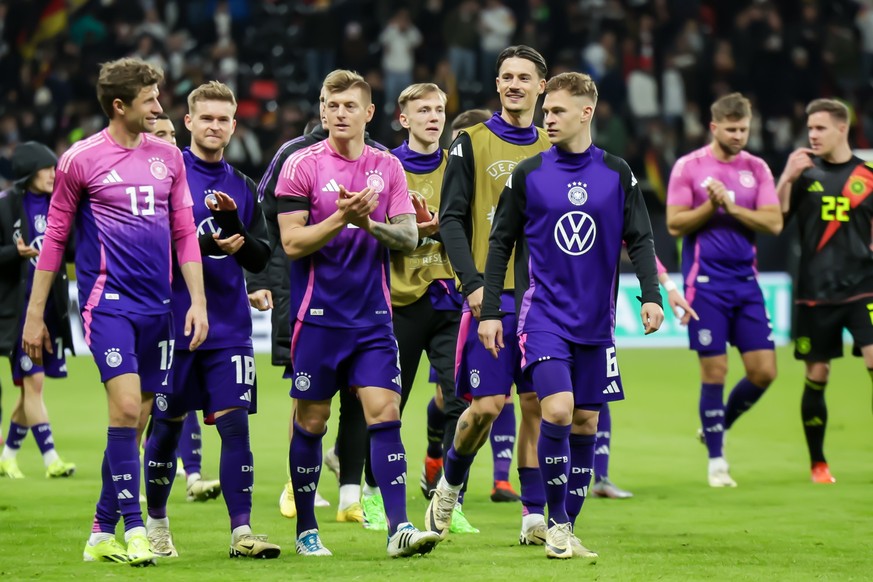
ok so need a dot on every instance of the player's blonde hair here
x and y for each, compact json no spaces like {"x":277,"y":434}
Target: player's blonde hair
{"x":124,"y":79}
{"x":343,"y":80}
{"x":731,"y":107}
{"x":576,"y":84}
{"x":419,"y":91}
{"x":837,"y":109}
{"x":211,"y":91}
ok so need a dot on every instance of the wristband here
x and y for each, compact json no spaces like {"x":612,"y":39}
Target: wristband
{"x":669,"y":285}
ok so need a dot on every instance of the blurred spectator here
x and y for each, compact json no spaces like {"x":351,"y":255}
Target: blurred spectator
{"x":462,"y":39}
{"x":398,"y":40}
{"x":496,"y":25}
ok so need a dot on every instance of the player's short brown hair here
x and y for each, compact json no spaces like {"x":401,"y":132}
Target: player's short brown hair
{"x":470,"y":118}
{"x":576,"y":84}
{"x":522,"y":51}
{"x":343,"y":80}
{"x":211,"y":91}
{"x":837,"y":109}
{"x":731,"y":107}
{"x":124,"y":79}
{"x":419,"y":91}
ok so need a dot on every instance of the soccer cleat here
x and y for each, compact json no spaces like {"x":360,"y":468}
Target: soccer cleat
{"x":580,"y":551}
{"x":822,"y":474}
{"x":459,"y":524}
{"x":287,"y":506}
{"x":161,"y":541}
{"x":106,"y":551}
{"x":408,"y":541}
{"x":558,"y":541}
{"x":719,"y":475}
{"x":374,"y":513}
{"x":320,"y":501}
{"x":354,"y":513}
{"x":309,"y":544}
{"x":534,"y":534}
{"x":503,"y":492}
{"x":606,"y":488}
{"x":59,"y":469}
{"x":438,"y":516}
{"x":204,"y":490}
{"x":431,"y":472}
{"x":331,"y":461}
{"x":253,"y":546}
{"x":180,"y":468}
{"x":9,"y":468}
{"x":139,"y":551}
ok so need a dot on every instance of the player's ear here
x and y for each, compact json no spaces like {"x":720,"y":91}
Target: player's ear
{"x":404,"y":121}
{"x":118,"y":106}
{"x":542,"y":87}
{"x":188,"y":121}
{"x":371,"y":109}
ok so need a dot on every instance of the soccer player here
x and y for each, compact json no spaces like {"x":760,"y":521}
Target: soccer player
{"x":828,"y":190}
{"x":127,"y":192}
{"x":218,"y":378}
{"x":190,"y":451}
{"x":342,"y":206}
{"x":424,"y":298}
{"x":480,"y":160}
{"x":718,"y":197}
{"x":575,"y":244}
{"x":23,"y":212}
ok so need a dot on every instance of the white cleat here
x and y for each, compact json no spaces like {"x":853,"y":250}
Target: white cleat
{"x":161,"y":541}
{"x":331,"y":461}
{"x":309,"y":544}
{"x":533,"y":534}
{"x":321,"y":501}
{"x":438,"y":516}
{"x":558,"y":541}
{"x":203,"y":490}
{"x":409,"y":541}
{"x":719,"y":475}
{"x":580,"y":551}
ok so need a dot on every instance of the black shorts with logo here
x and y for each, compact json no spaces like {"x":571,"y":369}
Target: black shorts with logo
{"x":818,"y":330}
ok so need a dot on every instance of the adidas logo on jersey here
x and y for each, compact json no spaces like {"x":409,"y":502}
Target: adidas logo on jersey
{"x":331,"y":186}
{"x":612,"y":388}
{"x":125,"y":494}
{"x":505,"y":454}
{"x":457,"y":151}
{"x":815,"y":187}
{"x":112,"y":178}
{"x":401,"y":480}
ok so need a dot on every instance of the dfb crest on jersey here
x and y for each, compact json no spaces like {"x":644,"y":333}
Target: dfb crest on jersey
{"x":475,"y":380}
{"x":302,"y":382}
{"x":39,"y":223}
{"x":704,"y":336}
{"x":158,"y":168}
{"x":161,"y":402}
{"x":577,"y":194}
{"x":375,"y":181}
{"x":209,"y":199}
{"x":26,"y":363}
{"x":747,"y":178}
{"x":113,"y":357}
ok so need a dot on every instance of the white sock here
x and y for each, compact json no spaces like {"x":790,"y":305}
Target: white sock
{"x":50,"y":457}
{"x":532,"y":519}
{"x":370,"y":491}
{"x":240,"y":531}
{"x":153,"y":522}
{"x":134,"y":531}
{"x":349,"y":495}
{"x":193,"y":478}
{"x":446,"y":486}
{"x":98,"y":537}
{"x":8,"y":453}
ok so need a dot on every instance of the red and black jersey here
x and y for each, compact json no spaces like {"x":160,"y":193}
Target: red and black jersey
{"x":833,"y":204}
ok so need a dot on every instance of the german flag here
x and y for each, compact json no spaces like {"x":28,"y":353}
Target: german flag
{"x":43,"y":20}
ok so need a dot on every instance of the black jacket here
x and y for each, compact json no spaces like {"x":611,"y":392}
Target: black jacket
{"x":276,"y":276}
{"x":14,"y":273}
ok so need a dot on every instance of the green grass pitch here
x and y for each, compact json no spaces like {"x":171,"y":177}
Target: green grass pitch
{"x":776,"y":525}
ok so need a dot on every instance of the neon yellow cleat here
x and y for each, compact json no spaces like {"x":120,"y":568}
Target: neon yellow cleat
{"x":9,"y":468}
{"x":60,"y":469}
{"x":374,"y":513}
{"x":459,"y":524}
{"x":106,"y":551}
{"x":353,"y":513}
{"x":139,"y":551}
{"x":287,"y":506}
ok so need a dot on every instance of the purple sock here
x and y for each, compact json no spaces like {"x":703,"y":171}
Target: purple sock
{"x":305,"y":463}
{"x":601,"y":447}
{"x":582,"y":458}
{"x":123,"y":456}
{"x":436,"y":429}
{"x":43,"y":435}
{"x":553,"y":452}
{"x":190,"y":445}
{"x":712,"y":417}
{"x":388,"y":458}
{"x":457,"y":466}
{"x":236,"y":468}
{"x":533,"y":494}
{"x":503,"y":441}
{"x":17,"y":434}
{"x":742,"y":398}
{"x":160,"y":465}
{"x":107,"y":512}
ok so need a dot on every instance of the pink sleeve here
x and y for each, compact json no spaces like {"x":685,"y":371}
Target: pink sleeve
{"x":660,"y":265}
{"x":182,"y":228}
{"x":766,"y":185}
{"x":679,"y":189}
{"x":398,"y":201}
{"x":62,"y":213}
{"x":295,"y":180}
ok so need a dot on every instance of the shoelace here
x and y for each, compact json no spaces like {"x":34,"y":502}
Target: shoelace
{"x":312,"y":543}
{"x":445,"y":506}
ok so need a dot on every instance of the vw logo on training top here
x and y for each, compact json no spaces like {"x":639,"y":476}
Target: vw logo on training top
{"x":208,"y":225}
{"x":575,"y":233}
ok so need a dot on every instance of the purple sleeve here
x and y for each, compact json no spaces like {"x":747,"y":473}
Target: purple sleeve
{"x":182,"y":227}
{"x":766,"y":186}
{"x":399,"y":201}
{"x":679,"y":189}
{"x":62,"y":213}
